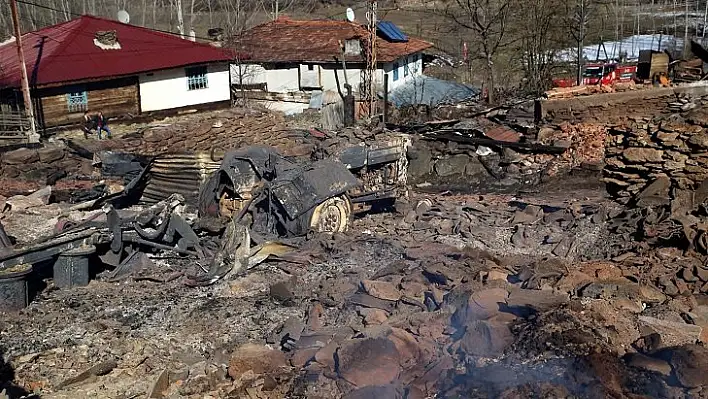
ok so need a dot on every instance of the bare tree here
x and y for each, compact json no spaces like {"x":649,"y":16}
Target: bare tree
{"x":158,"y":14}
{"x":240,"y":15}
{"x":275,"y":7}
{"x":485,"y":21}
{"x":577,"y":21}
{"x":540,"y":34}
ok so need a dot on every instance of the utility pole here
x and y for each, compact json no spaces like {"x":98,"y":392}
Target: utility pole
{"x":685,"y":31}
{"x":180,"y":19}
{"x":620,"y":28}
{"x":368,"y":85}
{"x":653,"y":21}
{"x":29,"y":109}
{"x":705,"y":20}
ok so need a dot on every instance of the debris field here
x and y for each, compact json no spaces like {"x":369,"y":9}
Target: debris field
{"x":543,"y":286}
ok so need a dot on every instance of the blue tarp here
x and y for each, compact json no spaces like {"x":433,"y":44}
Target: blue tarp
{"x":426,"y":90}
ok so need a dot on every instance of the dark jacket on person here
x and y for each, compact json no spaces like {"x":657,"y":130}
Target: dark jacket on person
{"x":91,"y":123}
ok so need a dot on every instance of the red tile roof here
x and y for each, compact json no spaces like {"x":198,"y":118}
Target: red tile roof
{"x":66,"y":52}
{"x":287,"y":40}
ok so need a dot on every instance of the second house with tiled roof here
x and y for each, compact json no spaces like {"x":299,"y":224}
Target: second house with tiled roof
{"x":294,"y":65}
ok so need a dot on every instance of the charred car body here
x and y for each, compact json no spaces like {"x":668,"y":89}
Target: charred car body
{"x":287,"y":197}
{"x":278,"y":195}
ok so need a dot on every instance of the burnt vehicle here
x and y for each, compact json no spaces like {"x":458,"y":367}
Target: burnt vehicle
{"x":381,"y":168}
{"x":280,"y":195}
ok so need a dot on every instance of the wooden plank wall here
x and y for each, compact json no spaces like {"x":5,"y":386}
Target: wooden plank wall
{"x":115,"y":98}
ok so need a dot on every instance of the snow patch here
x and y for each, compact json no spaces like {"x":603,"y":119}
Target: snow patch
{"x":630,"y":45}
{"x":103,"y":46}
{"x":8,"y":41}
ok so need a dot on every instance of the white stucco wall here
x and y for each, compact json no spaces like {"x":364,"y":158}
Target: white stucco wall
{"x":168,"y":89}
{"x":283,"y":80}
{"x":286,"y":80}
{"x":329,"y":82}
{"x":284,"y":84}
{"x":412,"y":64}
{"x":252,"y":73}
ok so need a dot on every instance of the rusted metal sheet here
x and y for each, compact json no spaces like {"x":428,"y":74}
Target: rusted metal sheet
{"x":501,"y":133}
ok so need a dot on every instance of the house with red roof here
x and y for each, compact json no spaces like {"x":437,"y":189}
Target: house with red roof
{"x":293,"y":64}
{"x":92,"y":63}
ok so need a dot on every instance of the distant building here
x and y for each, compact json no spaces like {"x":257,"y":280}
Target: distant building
{"x":93,"y":63}
{"x":293,"y":64}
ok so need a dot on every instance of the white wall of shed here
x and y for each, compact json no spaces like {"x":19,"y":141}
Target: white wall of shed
{"x":286,"y":80}
{"x":281,"y":80}
{"x":168,"y":89}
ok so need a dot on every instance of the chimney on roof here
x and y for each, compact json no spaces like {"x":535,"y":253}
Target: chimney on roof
{"x":106,"y":40}
{"x":216,"y":34}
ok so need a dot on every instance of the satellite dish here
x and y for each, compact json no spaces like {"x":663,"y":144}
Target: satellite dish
{"x":123,"y":16}
{"x":350,"y":14}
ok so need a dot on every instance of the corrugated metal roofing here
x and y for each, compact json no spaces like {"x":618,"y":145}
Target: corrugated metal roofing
{"x":288,"y":40}
{"x":391,"y":32}
{"x":66,"y":52}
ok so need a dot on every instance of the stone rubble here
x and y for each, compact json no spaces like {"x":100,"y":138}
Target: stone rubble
{"x":668,"y":153}
{"x":561,"y":292}
{"x":405,"y":305}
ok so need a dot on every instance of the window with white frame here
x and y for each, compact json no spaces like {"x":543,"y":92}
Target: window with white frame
{"x":197,"y":78}
{"x":395,"y":71}
{"x":77,"y":101}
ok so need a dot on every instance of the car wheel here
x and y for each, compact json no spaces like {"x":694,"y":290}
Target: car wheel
{"x":332,"y":216}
